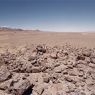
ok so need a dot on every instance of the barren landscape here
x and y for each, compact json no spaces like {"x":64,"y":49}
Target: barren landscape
{"x":35,"y":62}
{"x":26,"y":37}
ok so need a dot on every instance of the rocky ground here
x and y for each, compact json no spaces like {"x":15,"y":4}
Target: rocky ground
{"x":43,"y":70}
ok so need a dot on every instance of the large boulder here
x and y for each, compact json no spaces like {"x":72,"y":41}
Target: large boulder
{"x":22,"y":87}
{"x":6,"y":85}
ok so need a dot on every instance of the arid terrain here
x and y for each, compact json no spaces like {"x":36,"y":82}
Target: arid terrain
{"x":21,"y":38}
{"x":46,"y":63}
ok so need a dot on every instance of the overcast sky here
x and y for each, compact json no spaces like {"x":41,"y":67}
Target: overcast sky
{"x":48,"y":15}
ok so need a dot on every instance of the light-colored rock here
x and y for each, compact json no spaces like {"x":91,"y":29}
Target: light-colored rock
{"x":21,"y":86}
{"x":39,"y":89}
{"x":4,"y":74}
{"x":48,"y":71}
{"x":92,"y":60}
{"x":3,"y":93}
{"x":92,"y":65}
{"x":86,"y":53}
{"x":36,"y":69}
{"x":54,"y":55}
{"x":60,"y":68}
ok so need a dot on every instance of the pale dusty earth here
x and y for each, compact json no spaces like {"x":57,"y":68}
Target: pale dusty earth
{"x":47,"y":63}
{"x":19,"y":38}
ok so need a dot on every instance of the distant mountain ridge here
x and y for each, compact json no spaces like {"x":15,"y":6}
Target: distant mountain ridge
{"x":10,"y":29}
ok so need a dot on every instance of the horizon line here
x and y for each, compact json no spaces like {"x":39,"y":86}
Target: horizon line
{"x":38,"y":30}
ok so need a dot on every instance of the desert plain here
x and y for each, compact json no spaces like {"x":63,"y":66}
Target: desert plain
{"x":18,"y":37}
{"x":34,"y":62}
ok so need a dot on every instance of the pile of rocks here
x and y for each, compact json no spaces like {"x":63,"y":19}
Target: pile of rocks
{"x":46,"y":70}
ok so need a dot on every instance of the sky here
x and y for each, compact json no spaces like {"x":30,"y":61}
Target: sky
{"x":48,"y":15}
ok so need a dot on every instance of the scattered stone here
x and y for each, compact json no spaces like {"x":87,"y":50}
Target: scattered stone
{"x":32,"y":57}
{"x":92,"y":60}
{"x":69,"y":79}
{"x":54,"y":55}
{"x":5,"y":85}
{"x":46,"y":78}
{"x":73,"y":72}
{"x":4,"y":93}
{"x":39,"y":90}
{"x":36,"y":69}
{"x":40,"y":70}
{"x":1,"y":61}
{"x":46,"y":92}
{"x":86,"y":53}
{"x":21,"y":87}
{"x":80,"y":57}
{"x":91,"y":65}
{"x":93,"y":75}
{"x":60,"y":68}
{"x":40,"y":48}
{"x":81,"y":73}
{"x":4,"y":74}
